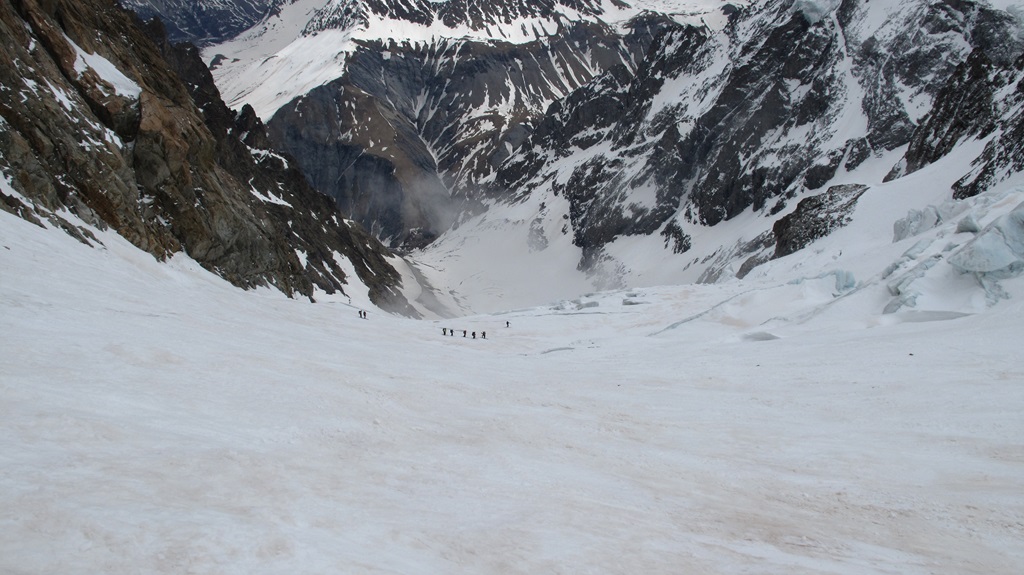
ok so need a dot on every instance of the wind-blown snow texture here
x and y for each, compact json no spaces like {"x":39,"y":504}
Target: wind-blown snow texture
{"x":155,"y":419}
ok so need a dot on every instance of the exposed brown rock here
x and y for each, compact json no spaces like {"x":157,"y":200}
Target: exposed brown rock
{"x":161,"y":162}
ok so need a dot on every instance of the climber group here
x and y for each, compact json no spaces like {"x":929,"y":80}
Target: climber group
{"x":465,"y":333}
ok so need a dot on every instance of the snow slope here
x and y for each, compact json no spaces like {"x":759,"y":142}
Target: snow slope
{"x":155,"y":419}
{"x":495,"y":261}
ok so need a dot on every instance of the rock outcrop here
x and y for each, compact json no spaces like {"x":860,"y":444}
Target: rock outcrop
{"x":815,"y":217}
{"x":97,"y":120}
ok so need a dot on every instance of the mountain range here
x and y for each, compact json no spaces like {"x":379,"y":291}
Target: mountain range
{"x":614,"y":122}
{"x":609,"y":143}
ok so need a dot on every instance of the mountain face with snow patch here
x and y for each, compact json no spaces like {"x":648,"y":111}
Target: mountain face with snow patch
{"x":413,"y":131}
{"x":623,"y":140}
{"x":403,"y":111}
{"x":777,"y":104}
{"x":498,"y":20}
{"x":103,"y":128}
{"x":415,"y":115}
{"x":981,"y":100}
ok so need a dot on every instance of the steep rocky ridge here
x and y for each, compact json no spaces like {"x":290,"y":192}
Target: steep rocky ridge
{"x":96,"y":123}
{"x":1004,"y":152}
{"x":479,"y":15}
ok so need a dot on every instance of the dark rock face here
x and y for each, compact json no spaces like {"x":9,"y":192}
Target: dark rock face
{"x":981,"y":99}
{"x":704,"y":166}
{"x":738,"y":124}
{"x":917,"y":61}
{"x":816,"y":217}
{"x":1004,"y":154}
{"x":757,"y":115}
{"x":161,"y":160}
{"x":964,"y":107}
{"x":202,"y":21}
{"x":406,"y":138}
{"x":369,"y":159}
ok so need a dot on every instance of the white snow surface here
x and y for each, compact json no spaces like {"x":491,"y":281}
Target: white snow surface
{"x":154,"y":419}
{"x":1015,"y":6}
{"x":106,"y":70}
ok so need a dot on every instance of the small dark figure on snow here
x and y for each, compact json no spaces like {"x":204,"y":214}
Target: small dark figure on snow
{"x":444,"y":331}
{"x":463,"y":333}
{"x":474,"y":335}
{"x":483,"y":334}
{"x":451,"y":332}
{"x":508,"y":324}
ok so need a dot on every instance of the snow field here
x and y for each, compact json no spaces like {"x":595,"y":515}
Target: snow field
{"x":155,"y":419}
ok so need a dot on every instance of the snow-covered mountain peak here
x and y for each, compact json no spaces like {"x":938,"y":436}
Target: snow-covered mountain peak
{"x":302,"y":44}
{"x":513,"y":21}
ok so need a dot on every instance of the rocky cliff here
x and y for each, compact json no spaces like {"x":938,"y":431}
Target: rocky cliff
{"x":980,"y":101}
{"x":105,"y":124}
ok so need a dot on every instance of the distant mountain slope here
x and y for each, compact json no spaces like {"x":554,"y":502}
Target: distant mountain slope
{"x":421,"y":101}
{"x":100,"y":125}
{"x":654,"y":117}
{"x":780,"y":102}
{"x":728,"y":149}
{"x":202,"y":21}
{"x":410,"y":132}
{"x":611,"y":134}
